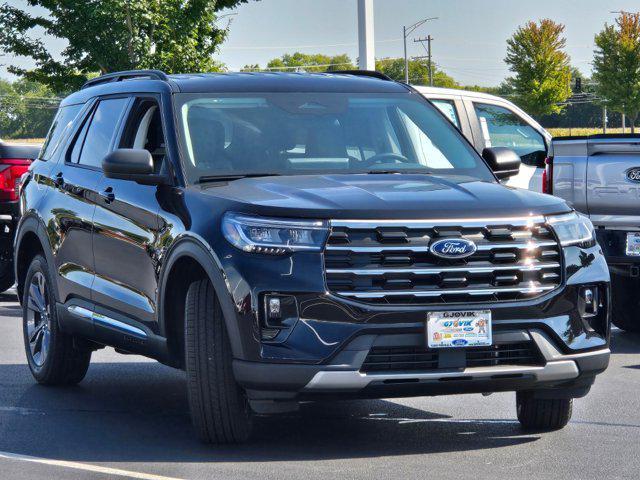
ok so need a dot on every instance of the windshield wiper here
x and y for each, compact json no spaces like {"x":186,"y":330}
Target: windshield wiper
{"x":233,"y":176}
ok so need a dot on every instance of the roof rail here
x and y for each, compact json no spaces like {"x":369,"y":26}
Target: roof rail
{"x":119,"y":76}
{"x":363,"y":73}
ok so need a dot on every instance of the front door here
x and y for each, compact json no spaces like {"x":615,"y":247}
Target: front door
{"x":126,"y":225}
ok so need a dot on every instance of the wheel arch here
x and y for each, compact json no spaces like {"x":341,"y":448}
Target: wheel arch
{"x":31,"y":241}
{"x":189,"y":258}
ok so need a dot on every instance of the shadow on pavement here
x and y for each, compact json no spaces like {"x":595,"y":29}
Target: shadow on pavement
{"x":624,"y":342}
{"x":138,"y":412}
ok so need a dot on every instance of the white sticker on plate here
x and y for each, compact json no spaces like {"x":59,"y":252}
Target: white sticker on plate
{"x":459,"y":329}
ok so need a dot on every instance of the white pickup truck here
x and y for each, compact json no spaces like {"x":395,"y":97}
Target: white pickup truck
{"x":600,"y":176}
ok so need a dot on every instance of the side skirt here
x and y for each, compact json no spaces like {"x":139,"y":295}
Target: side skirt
{"x":79,"y":317}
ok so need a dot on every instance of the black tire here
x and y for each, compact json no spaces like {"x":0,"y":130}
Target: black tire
{"x":625,"y":303}
{"x":543,"y":414}
{"x":219,"y":408}
{"x":63,"y":363}
{"x":7,"y":278}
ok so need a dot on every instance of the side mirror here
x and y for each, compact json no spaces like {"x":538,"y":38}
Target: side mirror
{"x":131,"y":164}
{"x":503,"y":161}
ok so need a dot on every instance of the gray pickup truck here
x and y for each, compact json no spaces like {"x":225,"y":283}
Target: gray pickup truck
{"x":600,"y":176}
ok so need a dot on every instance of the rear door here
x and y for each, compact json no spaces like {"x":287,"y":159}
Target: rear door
{"x":75,"y":180}
{"x":498,"y":125}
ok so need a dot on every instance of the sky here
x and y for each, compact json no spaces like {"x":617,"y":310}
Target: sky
{"x":469,"y":35}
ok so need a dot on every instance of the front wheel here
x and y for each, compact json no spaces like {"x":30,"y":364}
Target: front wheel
{"x":53,"y":357}
{"x":543,"y":413}
{"x":219,"y":407}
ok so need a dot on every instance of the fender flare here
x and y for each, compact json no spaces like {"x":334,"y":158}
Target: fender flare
{"x":33,"y":224}
{"x":193,"y":246}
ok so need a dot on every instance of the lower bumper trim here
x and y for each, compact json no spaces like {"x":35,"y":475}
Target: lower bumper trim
{"x":355,"y":380}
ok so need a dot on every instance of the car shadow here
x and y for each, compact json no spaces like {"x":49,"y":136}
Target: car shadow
{"x":138,"y":412}
{"x":624,"y":342}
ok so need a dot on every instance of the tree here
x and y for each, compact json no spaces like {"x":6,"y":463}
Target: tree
{"x":26,"y":109}
{"x":316,"y":62}
{"x":110,"y":35}
{"x":535,"y":53}
{"x":418,"y":72}
{"x":616,"y":66}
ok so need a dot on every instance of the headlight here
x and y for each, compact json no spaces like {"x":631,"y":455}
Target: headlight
{"x":573,"y":229}
{"x":274,"y":236}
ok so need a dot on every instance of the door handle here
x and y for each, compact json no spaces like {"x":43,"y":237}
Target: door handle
{"x":108,"y":195}
{"x":58,"y":181}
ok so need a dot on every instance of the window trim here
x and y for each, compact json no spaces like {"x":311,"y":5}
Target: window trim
{"x":158,"y":99}
{"x":95,"y":102}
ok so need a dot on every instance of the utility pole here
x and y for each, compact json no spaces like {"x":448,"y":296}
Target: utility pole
{"x":366,"y":50}
{"x":428,"y":48}
{"x":406,"y":31}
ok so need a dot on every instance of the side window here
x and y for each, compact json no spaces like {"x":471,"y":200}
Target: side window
{"x":449,"y":109}
{"x":62,"y":123}
{"x":143,"y":130}
{"x":503,"y":128}
{"x":100,"y":132}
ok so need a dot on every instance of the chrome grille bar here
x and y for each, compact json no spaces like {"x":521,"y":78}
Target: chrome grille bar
{"x":442,"y":291}
{"x":425,"y":248}
{"x":438,"y":270}
{"x":462,"y":222}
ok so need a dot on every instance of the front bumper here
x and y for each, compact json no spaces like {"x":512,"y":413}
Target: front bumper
{"x":558,"y":374}
{"x":322,"y":353}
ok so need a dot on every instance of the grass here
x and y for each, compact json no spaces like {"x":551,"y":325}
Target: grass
{"x":563,"y":132}
{"x":23,"y":140}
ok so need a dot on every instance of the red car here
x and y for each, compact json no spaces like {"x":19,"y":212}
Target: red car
{"x":14,"y":161}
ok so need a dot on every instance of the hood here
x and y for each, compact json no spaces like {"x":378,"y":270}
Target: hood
{"x":378,"y":196}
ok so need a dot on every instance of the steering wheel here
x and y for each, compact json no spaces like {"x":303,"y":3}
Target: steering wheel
{"x":384,"y":158}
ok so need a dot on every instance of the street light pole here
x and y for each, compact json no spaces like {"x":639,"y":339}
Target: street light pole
{"x":406,"y":58}
{"x":406,"y":31}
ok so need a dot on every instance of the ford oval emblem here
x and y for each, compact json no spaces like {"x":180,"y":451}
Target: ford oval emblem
{"x":633,"y":174}
{"x":453,"y":248}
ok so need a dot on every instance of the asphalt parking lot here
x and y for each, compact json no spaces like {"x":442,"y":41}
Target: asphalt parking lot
{"x":129,"y":419}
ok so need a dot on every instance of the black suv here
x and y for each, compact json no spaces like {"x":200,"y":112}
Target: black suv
{"x":287,"y":237}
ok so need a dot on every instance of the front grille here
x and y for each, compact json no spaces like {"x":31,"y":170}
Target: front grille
{"x":402,"y":359}
{"x":390,"y":262}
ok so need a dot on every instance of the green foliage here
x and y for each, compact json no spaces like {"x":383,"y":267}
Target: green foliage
{"x":26,"y":109}
{"x":418,"y":72}
{"x":616,"y":65}
{"x":535,"y":53}
{"x":316,"y":62}
{"x":110,"y":35}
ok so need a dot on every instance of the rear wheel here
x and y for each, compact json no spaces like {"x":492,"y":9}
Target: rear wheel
{"x":220,"y":410}
{"x":625,"y":303}
{"x":53,"y":357}
{"x":543,"y":413}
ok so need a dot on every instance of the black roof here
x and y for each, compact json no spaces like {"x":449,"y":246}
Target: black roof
{"x":148,"y":81}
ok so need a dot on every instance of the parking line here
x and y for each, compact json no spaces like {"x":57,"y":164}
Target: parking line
{"x":84,"y":466}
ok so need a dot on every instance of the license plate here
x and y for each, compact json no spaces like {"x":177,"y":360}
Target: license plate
{"x":459,"y":329}
{"x":633,"y":244}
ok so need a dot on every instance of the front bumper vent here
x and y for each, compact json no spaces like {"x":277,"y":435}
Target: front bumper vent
{"x":410,"y":359}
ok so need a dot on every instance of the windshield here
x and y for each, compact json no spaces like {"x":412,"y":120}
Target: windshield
{"x":319,"y":133}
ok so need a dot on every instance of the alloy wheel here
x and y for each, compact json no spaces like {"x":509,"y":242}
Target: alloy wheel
{"x":38,"y":320}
